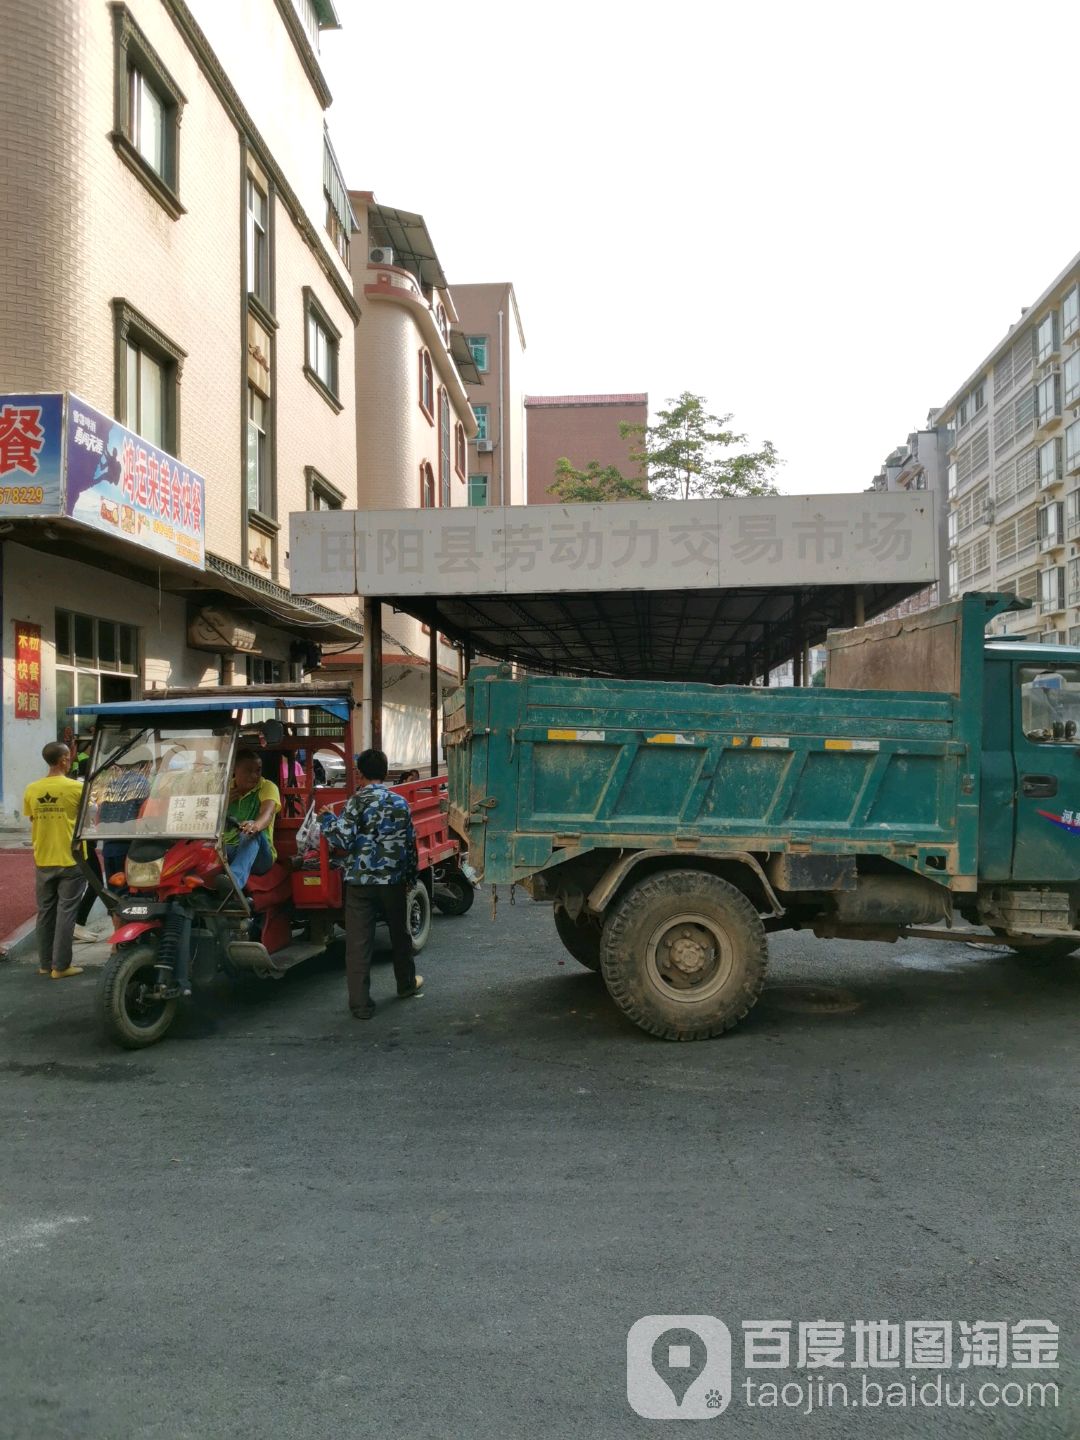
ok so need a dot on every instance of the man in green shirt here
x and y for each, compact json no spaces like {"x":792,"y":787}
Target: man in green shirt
{"x":249,"y":820}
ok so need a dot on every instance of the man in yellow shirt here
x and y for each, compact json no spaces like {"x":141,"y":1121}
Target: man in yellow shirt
{"x":249,"y":821}
{"x":51,"y":805}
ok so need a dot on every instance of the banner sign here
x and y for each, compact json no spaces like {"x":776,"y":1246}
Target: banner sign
{"x":31,"y":455}
{"x":769,"y":540}
{"x":27,"y":671}
{"x":60,"y":456}
{"x":119,"y":483}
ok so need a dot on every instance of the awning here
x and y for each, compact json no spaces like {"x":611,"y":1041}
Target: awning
{"x":266,"y":600}
{"x":259,"y":699}
{"x":407,"y":235}
{"x":463,"y":358}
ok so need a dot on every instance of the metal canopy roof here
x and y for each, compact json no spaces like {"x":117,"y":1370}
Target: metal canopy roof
{"x":147,"y":708}
{"x":721,"y":636}
{"x":718,"y":590}
{"x":407,"y":235}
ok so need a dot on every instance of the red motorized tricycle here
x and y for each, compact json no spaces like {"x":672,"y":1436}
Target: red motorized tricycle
{"x":155,"y":801}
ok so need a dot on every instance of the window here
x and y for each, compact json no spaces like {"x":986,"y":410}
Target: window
{"x":1050,"y":637}
{"x":1051,"y":526}
{"x":1052,"y":589}
{"x":427,"y":386}
{"x":444,"y":447}
{"x":309,"y":14}
{"x":1072,"y":514}
{"x":1074,"y":587}
{"x":1049,"y":399}
{"x":321,"y":339}
{"x":961,"y":415}
{"x":1046,"y":339}
{"x":1070,"y":313}
{"x":261,"y":671}
{"x":96,"y":661}
{"x":481,"y":413}
{"x":1072,"y":448}
{"x":340,"y":222}
{"x":146,"y":114}
{"x":1072,"y":379}
{"x":259,"y":496}
{"x":978,"y":400}
{"x":459,"y":450}
{"x":478,"y":489}
{"x":148,"y":367}
{"x":1049,"y":463}
{"x":321,"y":495}
{"x":258,"y":242}
{"x":952,"y":477}
{"x":427,"y":487}
{"x":478,"y":344}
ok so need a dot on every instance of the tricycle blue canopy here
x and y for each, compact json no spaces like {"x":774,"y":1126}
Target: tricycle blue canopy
{"x":191,"y":706}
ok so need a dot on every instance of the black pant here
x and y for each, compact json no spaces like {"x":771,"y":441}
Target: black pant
{"x":364,"y":905}
{"x":89,"y":900}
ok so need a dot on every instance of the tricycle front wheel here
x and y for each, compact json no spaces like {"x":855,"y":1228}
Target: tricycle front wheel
{"x":131,"y":1014}
{"x":683,"y":954}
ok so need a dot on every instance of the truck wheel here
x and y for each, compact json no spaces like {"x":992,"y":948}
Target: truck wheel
{"x":419,"y":912}
{"x":128,"y":1015}
{"x":581,"y":937}
{"x":454,"y":896}
{"x":683,"y":955}
{"x":1049,"y":951}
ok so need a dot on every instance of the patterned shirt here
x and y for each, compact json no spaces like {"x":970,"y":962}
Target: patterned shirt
{"x":376,"y":830}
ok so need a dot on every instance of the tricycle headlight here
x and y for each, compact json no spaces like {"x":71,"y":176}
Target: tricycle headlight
{"x":143,"y":874}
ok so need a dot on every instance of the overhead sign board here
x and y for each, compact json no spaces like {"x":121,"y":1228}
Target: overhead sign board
{"x":763,"y":541}
{"x":61,"y":457}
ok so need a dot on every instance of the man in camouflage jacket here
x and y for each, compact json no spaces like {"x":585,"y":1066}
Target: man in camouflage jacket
{"x":376,"y":832}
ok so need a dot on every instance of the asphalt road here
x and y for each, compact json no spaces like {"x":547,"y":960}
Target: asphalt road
{"x":283,"y":1223}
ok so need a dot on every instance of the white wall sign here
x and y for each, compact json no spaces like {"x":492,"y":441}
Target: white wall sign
{"x":782,"y":540}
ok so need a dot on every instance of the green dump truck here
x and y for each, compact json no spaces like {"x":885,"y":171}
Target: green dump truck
{"x":935,"y":778}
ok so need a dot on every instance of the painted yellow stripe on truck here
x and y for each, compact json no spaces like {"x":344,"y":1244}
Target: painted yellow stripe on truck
{"x":670,"y":739}
{"x":852,"y":744}
{"x":770,"y":742}
{"x":577,"y":734}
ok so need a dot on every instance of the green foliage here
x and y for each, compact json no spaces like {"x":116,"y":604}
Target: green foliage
{"x":687,"y":454}
{"x":594,"y":483}
{"x":818,"y":677}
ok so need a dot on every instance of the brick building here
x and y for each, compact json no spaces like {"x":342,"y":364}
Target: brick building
{"x":176,"y":263}
{"x":581,"y":428}
{"x":492,"y":326}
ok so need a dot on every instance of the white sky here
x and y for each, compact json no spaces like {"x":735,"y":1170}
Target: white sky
{"x":821,"y":216}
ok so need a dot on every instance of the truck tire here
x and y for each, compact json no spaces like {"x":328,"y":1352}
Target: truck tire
{"x":418,"y":903}
{"x":683,"y":954}
{"x":581,"y":939}
{"x":1049,"y":951}
{"x":126,"y":1018}
{"x":454,"y":895}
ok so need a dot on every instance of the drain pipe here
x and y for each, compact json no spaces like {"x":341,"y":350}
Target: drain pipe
{"x":502,"y":406}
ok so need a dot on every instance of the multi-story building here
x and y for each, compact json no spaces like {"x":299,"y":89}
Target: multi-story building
{"x":175,"y":263}
{"x":580,"y":428}
{"x":414,"y":425}
{"x":496,"y":472}
{"x":921,"y":463}
{"x":1014,"y":471}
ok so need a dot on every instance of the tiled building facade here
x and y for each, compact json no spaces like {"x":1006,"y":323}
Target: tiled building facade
{"x":176,"y":256}
{"x":582,"y":428}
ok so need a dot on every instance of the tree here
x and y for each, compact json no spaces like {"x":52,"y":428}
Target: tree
{"x":818,"y":677}
{"x":686,"y":454}
{"x":594,"y":483}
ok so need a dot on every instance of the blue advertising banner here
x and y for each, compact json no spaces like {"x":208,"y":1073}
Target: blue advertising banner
{"x":119,"y":483}
{"x":31,"y":455}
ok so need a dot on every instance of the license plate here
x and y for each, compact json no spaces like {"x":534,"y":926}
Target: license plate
{"x":137,"y":910}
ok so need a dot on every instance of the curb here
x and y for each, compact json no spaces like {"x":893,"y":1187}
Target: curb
{"x":20,"y":943}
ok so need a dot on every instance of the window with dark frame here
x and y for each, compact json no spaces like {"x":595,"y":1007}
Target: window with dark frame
{"x":478,"y":344}
{"x":481,"y":413}
{"x":321,"y":495}
{"x":478,"y":489}
{"x":97,"y":661}
{"x":427,"y":386}
{"x":427,"y":487}
{"x":148,"y":368}
{"x":258,"y":241}
{"x":321,"y":339}
{"x":147,"y":110}
{"x":444,"y":448}
{"x":259,"y":493}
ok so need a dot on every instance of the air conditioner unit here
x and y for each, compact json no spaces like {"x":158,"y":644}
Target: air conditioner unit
{"x":221,"y":631}
{"x":485,"y":447}
{"x":381,"y":255}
